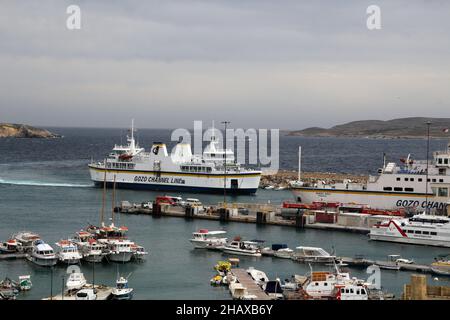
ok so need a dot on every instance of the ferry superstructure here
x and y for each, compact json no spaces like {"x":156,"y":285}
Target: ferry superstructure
{"x":130,"y":166}
{"x":395,"y":186}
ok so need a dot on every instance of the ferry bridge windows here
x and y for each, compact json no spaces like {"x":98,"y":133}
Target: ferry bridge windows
{"x":443,"y":192}
{"x":442,"y":172}
{"x":387,"y":188}
{"x":409,"y":189}
{"x":398,"y":189}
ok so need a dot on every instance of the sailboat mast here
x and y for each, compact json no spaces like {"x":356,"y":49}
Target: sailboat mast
{"x":102,"y":213}
{"x":113,"y":199}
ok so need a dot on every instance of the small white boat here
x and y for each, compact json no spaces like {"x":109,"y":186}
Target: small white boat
{"x":9,"y":246}
{"x":75,"y":281}
{"x":42,"y":254}
{"x":441,"y":266}
{"x":245,"y":248}
{"x":258,"y":276}
{"x":284,"y":253}
{"x":312,"y":254}
{"x":86,"y":294}
{"x":139,"y":253}
{"x":122,"y":291}
{"x":269,"y":187}
{"x":25,"y":283}
{"x":205,"y":239}
{"x":68,"y":252}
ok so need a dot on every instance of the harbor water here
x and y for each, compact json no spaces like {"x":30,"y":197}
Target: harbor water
{"x":45,"y":188}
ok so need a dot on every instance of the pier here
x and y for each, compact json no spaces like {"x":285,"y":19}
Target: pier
{"x":5,"y":256}
{"x":249,"y":284}
{"x":103,"y":293}
{"x":363,"y":263}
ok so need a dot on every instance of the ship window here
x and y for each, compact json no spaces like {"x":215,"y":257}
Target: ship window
{"x":418,"y":232}
{"x":443,"y":192}
{"x":425,"y":232}
{"x":387,"y":188}
{"x":441,"y":180}
{"x":363,"y":291}
{"x":440,"y":160}
{"x":433,"y":233}
{"x":411,"y":179}
{"x":410,"y":231}
{"x":398,"y":189}
{"x":445,"y":161}
{"x":398,"y":179}
{"x":406,"y":179}
{"x":208,"y":169}
{"x":442,"y":172}
{"x":434,"y":180}
{"x":409,"y":189}
{"x":429,"y":180}
{"x":420,"y":179}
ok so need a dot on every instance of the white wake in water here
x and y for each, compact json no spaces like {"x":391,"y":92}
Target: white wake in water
{"x":43,"y":184}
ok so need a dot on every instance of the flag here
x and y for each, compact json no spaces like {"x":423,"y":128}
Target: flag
{"x":445,"y":130}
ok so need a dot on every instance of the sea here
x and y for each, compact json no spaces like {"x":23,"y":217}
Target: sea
{"x":45,"y":188}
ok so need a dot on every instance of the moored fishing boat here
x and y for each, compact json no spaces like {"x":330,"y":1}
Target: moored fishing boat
{"x":139,"y":252}
{"x":241,"y":247}
{"x":42,"y":254}
{"x":10,"y":246}
{"x":68,"y":252}
{"x":122,"y":291}
{"x":441,"y":266}
{"x":25,"y":240}
{"x":205,"y":239}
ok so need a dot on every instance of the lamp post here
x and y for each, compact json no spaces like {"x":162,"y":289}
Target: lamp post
{"x":225,"y":123}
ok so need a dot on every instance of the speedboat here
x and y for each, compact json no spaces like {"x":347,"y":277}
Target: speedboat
{"x":122,"y":291}
{"x":312,"y":254}
{"x":441,"y":266}
{"x":75,"y":281}
{"x":258,"y":276}
{"x":205,"y":239}
{"x":284,"y":253}
{"x":68,"y":252}
{"x":42,"y":254}
{"x":245,"y":248}
{"x":9,"y":246}
{"x":139,"y":253}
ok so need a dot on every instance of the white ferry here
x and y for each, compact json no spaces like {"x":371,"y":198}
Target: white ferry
{"x":132,"y":167}
{"x":420,"y":229}
{"x":395,"y":186}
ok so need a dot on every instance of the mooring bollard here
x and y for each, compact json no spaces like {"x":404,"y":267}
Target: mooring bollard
{"x":300,"y":220}
{"x":261,"y":217}
{"x":224,"y":214}
{"x":156,"y":209}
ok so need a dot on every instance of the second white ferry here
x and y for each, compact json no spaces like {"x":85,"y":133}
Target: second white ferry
{"x":132,"y":167}
{"x":396,"y":186}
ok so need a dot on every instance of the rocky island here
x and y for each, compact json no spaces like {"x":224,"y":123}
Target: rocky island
{"x":11,"y":130}
{"x":405,"y":128}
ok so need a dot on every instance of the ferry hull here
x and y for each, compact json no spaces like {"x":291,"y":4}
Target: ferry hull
{"x":245,"y":183}
{"x":374,"y":199}
{"x":408,"y":240}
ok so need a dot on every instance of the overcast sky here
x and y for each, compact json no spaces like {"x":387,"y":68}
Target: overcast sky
{"x":261,"y":64}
